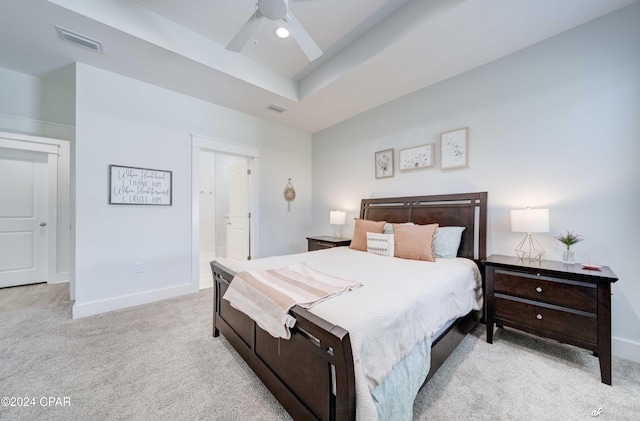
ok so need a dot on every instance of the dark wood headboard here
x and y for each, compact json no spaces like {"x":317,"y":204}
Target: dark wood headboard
{"x":461,"y":210}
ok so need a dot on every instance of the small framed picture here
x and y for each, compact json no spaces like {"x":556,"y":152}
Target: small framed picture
{"x":454,"y":149}
{"x":384,"y":163}
{"x":416,"y":157}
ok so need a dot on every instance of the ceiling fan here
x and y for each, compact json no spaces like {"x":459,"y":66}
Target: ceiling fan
{"x":276,"y":10}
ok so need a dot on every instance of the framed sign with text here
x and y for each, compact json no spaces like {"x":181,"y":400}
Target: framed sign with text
{"x":139,"y":186}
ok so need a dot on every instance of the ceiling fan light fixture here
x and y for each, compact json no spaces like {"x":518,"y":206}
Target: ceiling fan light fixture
{"x":282,"y":32}
{"x":275,"y":10}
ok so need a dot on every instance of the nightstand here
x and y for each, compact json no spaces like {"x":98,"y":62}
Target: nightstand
{"x":553,"y":300}
{"x":326,"y":242}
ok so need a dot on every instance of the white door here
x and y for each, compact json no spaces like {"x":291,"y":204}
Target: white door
{"x":238,"y":221}
{"x":23,"y":213}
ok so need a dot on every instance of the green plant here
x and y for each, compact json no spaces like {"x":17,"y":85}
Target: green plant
{"x":569,"y":239}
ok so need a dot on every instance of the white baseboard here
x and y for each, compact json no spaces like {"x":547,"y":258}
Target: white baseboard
{"x":118,"y":303}
{"x":625,"y":349}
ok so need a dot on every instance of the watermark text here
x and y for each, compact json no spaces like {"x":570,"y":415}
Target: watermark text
{"x":43,"y":401}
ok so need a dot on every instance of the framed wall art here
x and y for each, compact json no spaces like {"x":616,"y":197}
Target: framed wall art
{"x":139,"y":186}
{"x":384,"y":163}
{"x":454,"y":149}
{"x":416,"y":157}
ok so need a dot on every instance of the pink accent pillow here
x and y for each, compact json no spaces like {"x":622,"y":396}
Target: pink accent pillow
{"x":363,"y":226}
{"x":414,"y":241}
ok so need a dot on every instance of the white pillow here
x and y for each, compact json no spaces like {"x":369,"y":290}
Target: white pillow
{"x":381,"y":244}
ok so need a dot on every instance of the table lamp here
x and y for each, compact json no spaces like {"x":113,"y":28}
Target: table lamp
{"x":337,"y":218}
{"x":530,"y":221}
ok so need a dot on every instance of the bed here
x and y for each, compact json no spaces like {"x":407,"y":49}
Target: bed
{"x":323,"y":383}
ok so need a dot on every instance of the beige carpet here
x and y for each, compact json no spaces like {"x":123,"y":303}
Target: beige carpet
{"x":159,"y":362}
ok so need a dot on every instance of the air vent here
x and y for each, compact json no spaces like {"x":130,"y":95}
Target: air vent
{"x":70,"y":36}
{"x":276,"y":108}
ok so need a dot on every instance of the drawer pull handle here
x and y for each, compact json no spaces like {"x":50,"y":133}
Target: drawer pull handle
{"x":539,"y":289}
{"x":539,"y":317}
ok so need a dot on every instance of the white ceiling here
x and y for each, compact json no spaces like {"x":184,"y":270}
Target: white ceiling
{"x":374,"y":50}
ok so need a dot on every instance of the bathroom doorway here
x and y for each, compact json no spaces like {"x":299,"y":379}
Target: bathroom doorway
{"x":224,"y":211}
{"x":213,"y":162}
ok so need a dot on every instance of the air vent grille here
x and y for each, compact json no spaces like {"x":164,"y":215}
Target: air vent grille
{"x":276,"y":108}
{"x":75,"y":38}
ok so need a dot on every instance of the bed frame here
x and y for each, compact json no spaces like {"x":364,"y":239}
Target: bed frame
{"x":322,"y":384}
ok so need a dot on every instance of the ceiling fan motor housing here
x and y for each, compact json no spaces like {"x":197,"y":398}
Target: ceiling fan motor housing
{"x":273,"y":9}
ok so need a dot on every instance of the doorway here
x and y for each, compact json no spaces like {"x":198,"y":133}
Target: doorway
{"x":34,"y":210}
{"x":225,"y":190}
{"x":23,"y":217}
{"x":223,"y":211}
{"x":35,"y":226}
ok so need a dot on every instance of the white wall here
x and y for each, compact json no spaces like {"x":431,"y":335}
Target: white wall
{"x":123,"y":121}
{"x":35,"y":106}
{"x":552,"y":126}
{"x":44,"y":108}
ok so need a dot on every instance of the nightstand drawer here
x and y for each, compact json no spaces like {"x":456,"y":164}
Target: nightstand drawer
{"x":326,"y":242}
{"x":581,"y":327}
{"x":574,"y":295}
{"x":319,"y":245}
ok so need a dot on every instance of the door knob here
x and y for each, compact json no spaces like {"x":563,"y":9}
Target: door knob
{"x":43,"y":224}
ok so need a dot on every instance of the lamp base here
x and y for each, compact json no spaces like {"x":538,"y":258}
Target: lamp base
{"x":529,"y":248}
{"x":338,"y":232}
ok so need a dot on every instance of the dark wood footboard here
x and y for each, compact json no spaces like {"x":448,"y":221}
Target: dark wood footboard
{"x":322,"y":383}
{"x":311,"y":374}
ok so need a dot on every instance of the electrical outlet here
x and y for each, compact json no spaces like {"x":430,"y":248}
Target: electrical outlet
{"x":137,"y":267}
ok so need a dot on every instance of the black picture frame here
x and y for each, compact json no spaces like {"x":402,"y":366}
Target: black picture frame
{"x":140,"y":186}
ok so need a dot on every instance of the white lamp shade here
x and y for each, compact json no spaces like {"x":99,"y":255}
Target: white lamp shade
{"x":530,"y":220}
{"x":337,"y":217}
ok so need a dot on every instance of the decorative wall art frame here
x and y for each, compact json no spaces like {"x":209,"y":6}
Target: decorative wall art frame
{"x":416,"y":157}
{"x":139,"y":186}
{"x":384,"y":163}
{"x":454,"y":149}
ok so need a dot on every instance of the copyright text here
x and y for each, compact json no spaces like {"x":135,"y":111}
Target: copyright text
{"x":44,"y":401}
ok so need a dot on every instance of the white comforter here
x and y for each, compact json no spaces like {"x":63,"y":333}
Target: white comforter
{"x":401,"y":304}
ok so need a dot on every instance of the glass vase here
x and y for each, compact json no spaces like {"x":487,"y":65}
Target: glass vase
{"x":568,"y":256}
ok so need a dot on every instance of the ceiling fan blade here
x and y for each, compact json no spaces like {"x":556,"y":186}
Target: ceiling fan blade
{"x":302,"y":37}
{"x":243,"y":35}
